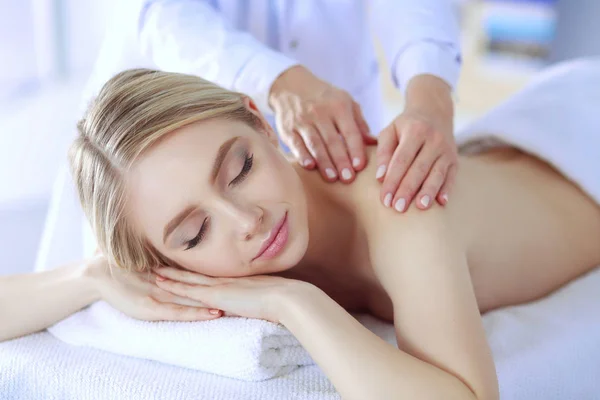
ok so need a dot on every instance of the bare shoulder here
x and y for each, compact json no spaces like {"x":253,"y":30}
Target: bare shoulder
{"x":381,"y":222}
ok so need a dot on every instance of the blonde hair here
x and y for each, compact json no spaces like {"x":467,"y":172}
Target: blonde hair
{"x":133,"y":111}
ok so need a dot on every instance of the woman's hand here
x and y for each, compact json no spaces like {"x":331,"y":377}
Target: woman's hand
{"x":321,"y":124}
{"x":251,"y":297}
{"x":416,"y":155}
{"x":136,"y":295}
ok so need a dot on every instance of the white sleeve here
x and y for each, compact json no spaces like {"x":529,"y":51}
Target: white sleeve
{"x":418,"y":37}
{"x":190,"y":36}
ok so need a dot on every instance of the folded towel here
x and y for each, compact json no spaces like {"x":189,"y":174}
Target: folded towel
{"x":241,"y":348}
{"x":555,"y":117}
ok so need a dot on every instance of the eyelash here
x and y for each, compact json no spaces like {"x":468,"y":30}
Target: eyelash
{"x":249,"y":159}
{"x":245,"y":170}
{"x":198,"y":238}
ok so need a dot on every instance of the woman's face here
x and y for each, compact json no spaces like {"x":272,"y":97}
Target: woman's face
{"x":217,"y":197}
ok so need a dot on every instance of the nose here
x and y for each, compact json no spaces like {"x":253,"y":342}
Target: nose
{"x":250,"y":223}
{"x":247,"y":220}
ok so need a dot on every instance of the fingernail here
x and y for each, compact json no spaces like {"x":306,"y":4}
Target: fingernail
{"x":400,"y":204}
{"x":346,"y":174}
{"x":387,"y":200}
{"x":355,"y":162}
{"x":380,"y":172}
{"x":306,"y":162}
{"x":445,"y":198}
{"x":214,"y":311}
{"x":160,"y":278}
{"x":425,"y":201}
{"x":330,"y":173}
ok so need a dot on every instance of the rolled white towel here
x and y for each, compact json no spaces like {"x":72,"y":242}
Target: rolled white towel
{"x":241,"y":348}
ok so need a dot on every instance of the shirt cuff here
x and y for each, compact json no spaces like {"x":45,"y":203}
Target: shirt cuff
{"x":257,"y":75}
{"x":427,"y":58}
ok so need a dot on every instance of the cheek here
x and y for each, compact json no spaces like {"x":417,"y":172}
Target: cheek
{"x":276,"y":178}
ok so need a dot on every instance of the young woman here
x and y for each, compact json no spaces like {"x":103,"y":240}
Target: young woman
{"x":186,"y":189}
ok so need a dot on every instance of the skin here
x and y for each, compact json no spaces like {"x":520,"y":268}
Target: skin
{"x":324,"y":128}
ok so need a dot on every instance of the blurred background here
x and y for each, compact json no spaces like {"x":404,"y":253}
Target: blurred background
{"x":48,"y":49}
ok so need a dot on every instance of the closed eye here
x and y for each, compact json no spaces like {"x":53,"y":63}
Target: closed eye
{"x":198,"y":238}
{"x":248,"y":160}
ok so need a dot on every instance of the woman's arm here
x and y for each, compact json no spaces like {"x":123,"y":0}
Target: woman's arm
{"x":31,"y":302}
{"x":358,"y":363}
{"x":420,"y":259}
{"x":35,"y":301}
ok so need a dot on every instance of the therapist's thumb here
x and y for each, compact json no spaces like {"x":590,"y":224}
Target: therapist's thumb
{"x":362,"y":124}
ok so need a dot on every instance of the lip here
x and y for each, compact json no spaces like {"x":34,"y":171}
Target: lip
{"x":275,"y":242}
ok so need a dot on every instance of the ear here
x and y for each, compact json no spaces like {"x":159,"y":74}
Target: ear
{"x":266,"y":128}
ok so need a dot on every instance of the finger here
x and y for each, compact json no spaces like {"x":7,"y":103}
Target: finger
{"x":398,"y":166}
{"x":174,"y":312}
{"x":300,"y":152}
{"x":336,"y":147}
{"x":414,"y":178}
{"x":363,"y":126}
{"x":194,"y":292}
{"x":433,"y":183}
{"x":448,"y":185}
{"x":319,"y":152}
{"x":354,"y":141}
{"x":183,"y":276}
{"x":360,"y":120}
{"x":388,"y":142}
{"x":163,"y":296}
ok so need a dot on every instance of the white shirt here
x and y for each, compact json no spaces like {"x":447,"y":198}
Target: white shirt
{"x":245,"y":45}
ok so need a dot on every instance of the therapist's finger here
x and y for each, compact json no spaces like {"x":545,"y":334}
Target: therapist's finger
{"x":413,"y":180}
{"x":399,"y":165}
{"x":319,"y":152}
{"x":388,"y":143}
{"x":336,"y":147}
{"x":300,"y":152}
{"x":442,"y":197}
{"x":350,"y":130}
{"x":363,"y":126}
{"x":433,"y":183}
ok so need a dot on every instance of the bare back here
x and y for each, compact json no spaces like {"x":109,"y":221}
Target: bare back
{"x":528,"y":230}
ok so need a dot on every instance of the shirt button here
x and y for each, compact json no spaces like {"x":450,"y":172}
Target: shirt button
{"x":293,"y":44}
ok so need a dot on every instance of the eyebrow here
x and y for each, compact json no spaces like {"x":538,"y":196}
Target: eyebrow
{"x":180,"y":217}
{"x":221,"y":154}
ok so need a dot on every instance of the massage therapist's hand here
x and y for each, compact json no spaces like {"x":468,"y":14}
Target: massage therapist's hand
{"x":416,"y":154}
{"x":256,"y":296}
{"x":136,"y":295}
{"x":321,"y":124}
